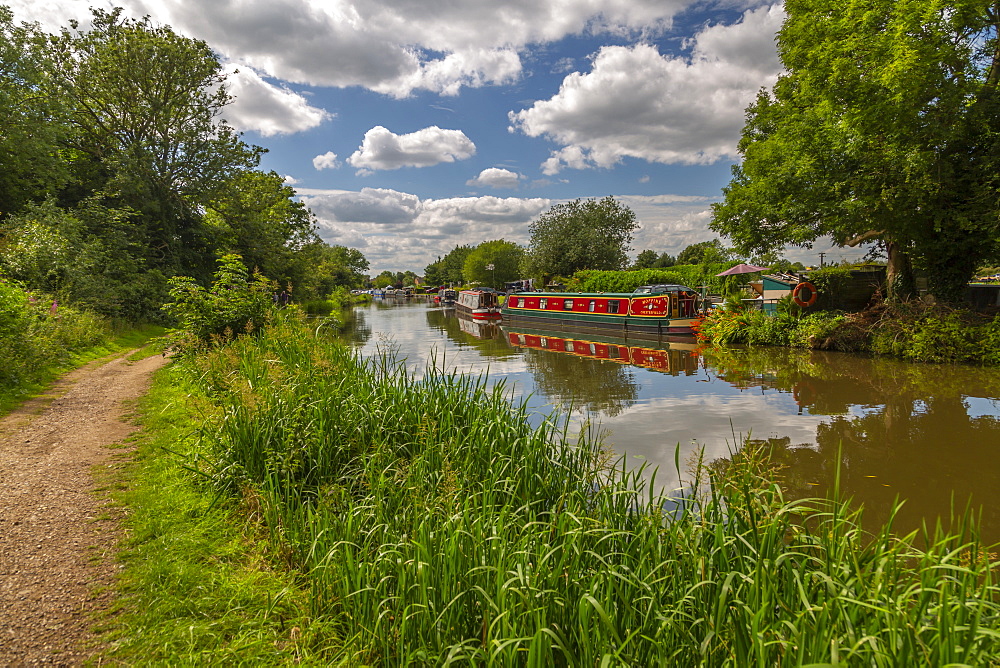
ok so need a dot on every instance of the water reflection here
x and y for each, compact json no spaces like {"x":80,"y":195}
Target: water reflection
{"x":928,"y":434}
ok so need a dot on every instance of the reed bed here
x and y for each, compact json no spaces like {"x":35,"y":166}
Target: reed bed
{"x":433,"y":524}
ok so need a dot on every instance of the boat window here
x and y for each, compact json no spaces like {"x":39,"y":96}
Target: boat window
{"x":544,"y":343}
{"x":613,"y":352}
{"x":568,"y":305}
{"x":613,"y":306}
{"x":593,"y":349}
{"x":592,"y":305}
{"x":544,"y":303}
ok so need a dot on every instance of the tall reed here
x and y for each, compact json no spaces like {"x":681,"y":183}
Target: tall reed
{"x":434,"y":524}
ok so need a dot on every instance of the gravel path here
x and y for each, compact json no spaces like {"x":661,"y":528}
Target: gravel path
{"x":57,"y":542}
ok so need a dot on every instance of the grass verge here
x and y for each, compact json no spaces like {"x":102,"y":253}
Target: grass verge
{"x":197,"y":585}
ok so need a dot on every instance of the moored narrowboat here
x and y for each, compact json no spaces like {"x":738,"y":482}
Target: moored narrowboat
{"x":479,"y":304}
{"x":651,"y":310}
{"x":446,"y":297}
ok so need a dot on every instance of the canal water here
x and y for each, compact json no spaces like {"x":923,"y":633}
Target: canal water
{"x":925,"y":434}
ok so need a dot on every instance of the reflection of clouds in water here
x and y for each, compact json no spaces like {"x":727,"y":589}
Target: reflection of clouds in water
{"x":652,"y":430}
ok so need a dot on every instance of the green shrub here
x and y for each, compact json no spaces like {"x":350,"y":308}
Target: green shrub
{"x":37,"y":333}
{"x":237,"y":303}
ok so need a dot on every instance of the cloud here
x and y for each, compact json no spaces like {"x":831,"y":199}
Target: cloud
{"x":391,"y":47}
{"x":396,"y":229}
{"x":382,"y":149}
{"x":326,"y":161}
{"x":265,"y":108}
{"x":495,"y":177}
{"x":290,"y":180}
{"x":638,"y":103}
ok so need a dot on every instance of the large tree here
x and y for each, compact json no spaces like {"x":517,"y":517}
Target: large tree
{"x":494,"y":263}
{"x":884,"y":128}
{"x":145,"y":104}
{"x":582,"y":234}
{"x":448,"y":269}
{"x":33,"y":126}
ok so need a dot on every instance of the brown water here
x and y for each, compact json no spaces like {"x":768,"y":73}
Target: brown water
{"x":926,"y":434}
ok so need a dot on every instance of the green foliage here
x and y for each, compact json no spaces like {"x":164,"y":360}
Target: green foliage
{"x":692,"y":276}
{"x":939,"y":335}
{"x":582,"y":234}
{"x":505,"y":258}
{"x":38,"y":335}
{"x":237,"y":303}
{"x":450,"y":269}
{"x":912,"y":332}
{"x":829,"y":282}
{"x":84,"y":257}
{"x":882,"y":128}
{"x":704,"y":252}
{"x":195,"y":587}
{"x":33,"y":126}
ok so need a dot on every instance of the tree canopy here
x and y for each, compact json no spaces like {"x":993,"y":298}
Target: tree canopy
{"x":884,"y":128}
{"x":449,"y":269}
{"x":494,"y":263}
{"x":582,"y":234}
{"x":117,"y":172}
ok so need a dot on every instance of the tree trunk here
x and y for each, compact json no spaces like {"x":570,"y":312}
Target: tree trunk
{"x":900,"y":285}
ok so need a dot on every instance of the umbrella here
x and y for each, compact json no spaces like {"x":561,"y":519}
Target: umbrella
{"x":742,"y":269}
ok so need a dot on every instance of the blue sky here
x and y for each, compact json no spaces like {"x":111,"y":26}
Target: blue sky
{"x":413,"y":126}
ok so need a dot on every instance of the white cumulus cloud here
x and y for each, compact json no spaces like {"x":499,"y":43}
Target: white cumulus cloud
{"x":326,"y":161}
{"x":383,"y":149}
{"x":496,"y":177}
{"x":388,"y":46}
{"x":638,"y":103}
{"x":265,"y":108}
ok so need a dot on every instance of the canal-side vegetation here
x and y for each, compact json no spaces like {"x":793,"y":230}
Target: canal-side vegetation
{"x":41,"y":338}
{"x":912,"y":331}
{"x":373,"y":515}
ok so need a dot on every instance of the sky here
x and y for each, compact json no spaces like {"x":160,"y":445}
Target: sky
{"x":409,"y":127}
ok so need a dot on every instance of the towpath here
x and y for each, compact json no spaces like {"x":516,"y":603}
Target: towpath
{"x":57,"y":538}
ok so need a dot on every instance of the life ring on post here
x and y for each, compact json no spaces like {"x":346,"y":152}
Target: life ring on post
{"x":804,"y":286}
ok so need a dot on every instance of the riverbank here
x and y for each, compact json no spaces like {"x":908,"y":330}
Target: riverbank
{"x":357,"y":513}
{"x":914,"y":331}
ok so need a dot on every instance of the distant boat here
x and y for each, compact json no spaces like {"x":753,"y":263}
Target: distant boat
{"x":446,"y":297}
{"x":479,"y":304}
{"x":651,"y":310}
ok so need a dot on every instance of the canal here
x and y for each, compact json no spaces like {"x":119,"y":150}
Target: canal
{"x":925,"y":434}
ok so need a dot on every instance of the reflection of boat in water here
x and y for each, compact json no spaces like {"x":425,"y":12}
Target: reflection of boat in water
{"x":481,"y":329}
{"x":479,"y":304}
{"x":651,"y":310}
{"x":680,"y":355}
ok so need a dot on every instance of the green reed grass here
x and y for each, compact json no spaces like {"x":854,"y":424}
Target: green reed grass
{"x":434,"y":524}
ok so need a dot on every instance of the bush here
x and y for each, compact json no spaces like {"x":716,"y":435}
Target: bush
{"x":237,"y":303}
{"x":691,"y":275}
{"x":37,"y":333}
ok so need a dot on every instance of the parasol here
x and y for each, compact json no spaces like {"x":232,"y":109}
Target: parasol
{"x":742,"y":269}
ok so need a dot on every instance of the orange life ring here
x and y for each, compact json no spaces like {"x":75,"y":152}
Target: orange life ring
{"x":797,"y":294}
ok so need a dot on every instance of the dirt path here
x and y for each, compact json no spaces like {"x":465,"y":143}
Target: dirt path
{"x":56,"y":540}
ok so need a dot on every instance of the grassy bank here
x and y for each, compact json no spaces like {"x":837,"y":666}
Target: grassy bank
{"x":41,"y":339}
{"x":915,"y":332}
{"x":320,"y":508}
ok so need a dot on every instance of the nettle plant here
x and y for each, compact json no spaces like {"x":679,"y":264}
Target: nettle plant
{"x":238,"y":302}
